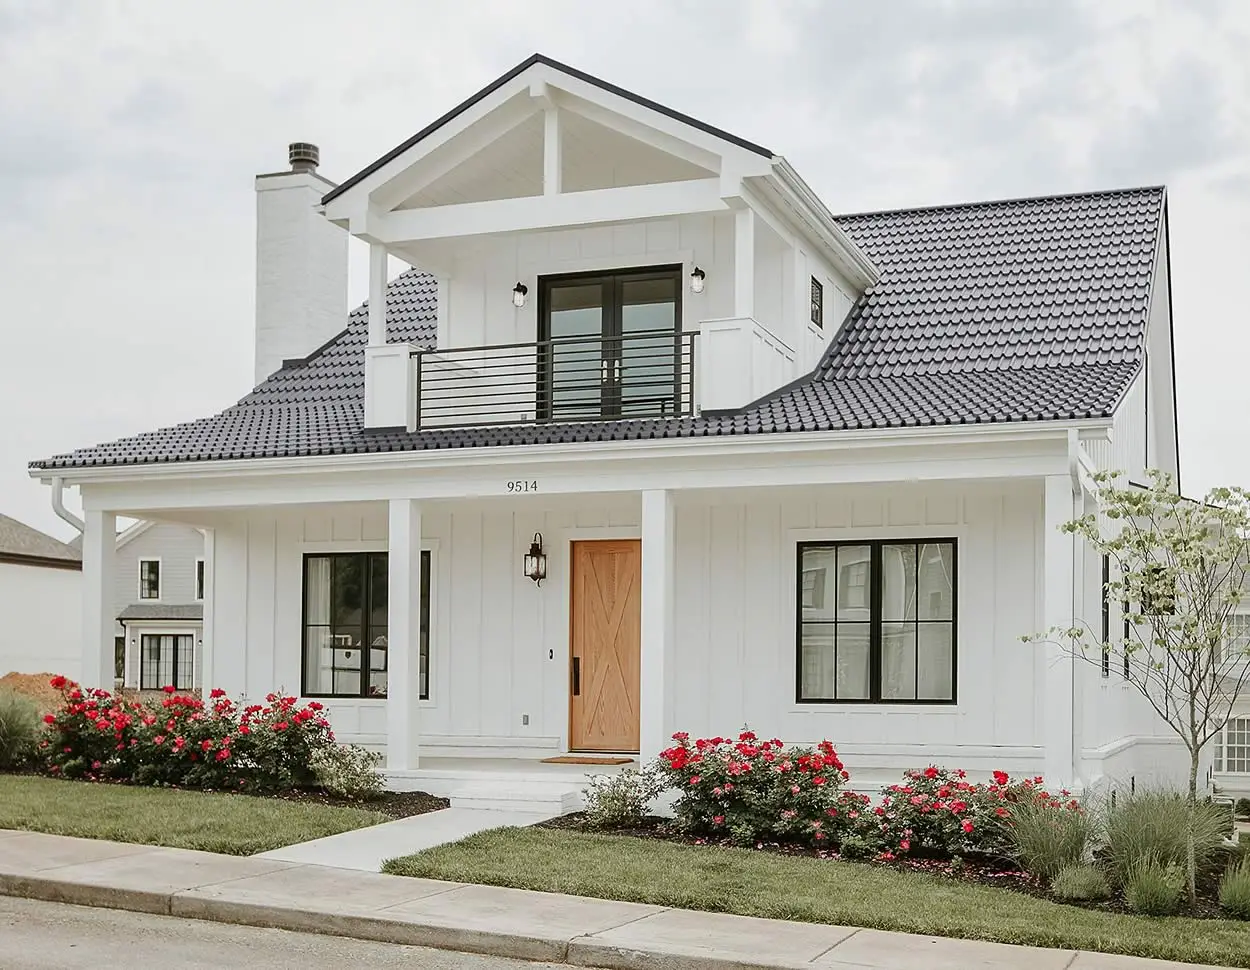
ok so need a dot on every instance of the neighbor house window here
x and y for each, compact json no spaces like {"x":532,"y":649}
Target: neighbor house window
{"x":1232,"y":747}
{"x":149,"y":579}
{"x":199,"y":579}
{"x":166,"y":659}
{"x":818,"y":303}
{"x":345,"y":634}
{"x":876,"y":621}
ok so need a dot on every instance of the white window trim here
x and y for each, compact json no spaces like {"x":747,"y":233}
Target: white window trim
{"x":1222,"y":743}
{"x":198,"y":586}
{"x":160,"y":579}
{"x":134,"y":644}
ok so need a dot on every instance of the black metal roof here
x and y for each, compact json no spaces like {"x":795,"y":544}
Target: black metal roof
{"x":1023,"y":310}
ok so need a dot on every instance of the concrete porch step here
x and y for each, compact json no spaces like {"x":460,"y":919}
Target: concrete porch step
{"x":543,"y":797}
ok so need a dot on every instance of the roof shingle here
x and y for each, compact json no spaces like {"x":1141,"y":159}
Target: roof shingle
{"x":1024,"y":310}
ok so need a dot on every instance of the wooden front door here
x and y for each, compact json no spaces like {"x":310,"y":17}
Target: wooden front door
{"x":605,"y":639}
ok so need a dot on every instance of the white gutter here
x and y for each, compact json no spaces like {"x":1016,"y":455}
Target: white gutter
{"x":58,"y":505}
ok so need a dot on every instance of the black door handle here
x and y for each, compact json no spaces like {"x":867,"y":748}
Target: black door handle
{"x":577,"y":676}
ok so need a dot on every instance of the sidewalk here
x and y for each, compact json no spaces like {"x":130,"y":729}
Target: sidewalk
{"x":482,"y":919}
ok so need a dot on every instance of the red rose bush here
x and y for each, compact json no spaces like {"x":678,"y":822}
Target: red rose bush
{"x":746,"y":789}
{"x":182,"y":740}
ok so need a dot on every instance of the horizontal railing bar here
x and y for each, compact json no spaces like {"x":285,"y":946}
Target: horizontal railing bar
{"x":674,"y":335}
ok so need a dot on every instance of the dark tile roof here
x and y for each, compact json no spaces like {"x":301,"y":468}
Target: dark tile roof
{"x":1024,"y":310}
{"x":20,"y":543}
{"x":162,"y":611}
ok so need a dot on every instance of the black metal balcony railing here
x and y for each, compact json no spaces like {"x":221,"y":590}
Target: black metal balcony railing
{"x":595,"y":378}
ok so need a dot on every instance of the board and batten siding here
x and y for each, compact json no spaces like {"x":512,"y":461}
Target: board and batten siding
{"x":500,"y":644}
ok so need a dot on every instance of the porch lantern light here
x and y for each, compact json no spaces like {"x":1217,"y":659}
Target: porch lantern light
{"x":518,"y":295}
{"x":535,"y":562}
{"x":697,"y":276}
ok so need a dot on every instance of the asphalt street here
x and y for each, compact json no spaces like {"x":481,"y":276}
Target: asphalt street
{"x":52,"y":936}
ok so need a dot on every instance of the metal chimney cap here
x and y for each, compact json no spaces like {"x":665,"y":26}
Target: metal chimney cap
{"x":304,"y":156}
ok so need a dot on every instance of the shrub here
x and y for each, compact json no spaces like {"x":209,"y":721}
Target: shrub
{"x":19,"y":729}
{"x":1155,"y":825}
{"x":179,"y":740}
{"x":1241,"y":808}
{"x":1080,"y":884}
{"x":1153,"y":887}
{"x":622,"y":799}
{"x":747,"y":789}
{"x":348,"y":770}
{"x":1235,"y":891}
{"x":1048,"y":836}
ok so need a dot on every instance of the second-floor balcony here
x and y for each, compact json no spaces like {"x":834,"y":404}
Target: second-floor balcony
{"x":644,"y":374}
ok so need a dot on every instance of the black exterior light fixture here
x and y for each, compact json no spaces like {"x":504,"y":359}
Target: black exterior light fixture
{"x":697,"y":276}
{"x":535,"y":562}
{"x":518,"y":295}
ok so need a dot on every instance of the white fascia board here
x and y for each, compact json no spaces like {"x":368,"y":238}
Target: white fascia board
{"x":769,"y":460}
{"x":790,"y":188}
{"x":530,"y":213}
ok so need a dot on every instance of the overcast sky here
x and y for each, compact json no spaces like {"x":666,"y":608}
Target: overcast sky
{"x":130,"y":131}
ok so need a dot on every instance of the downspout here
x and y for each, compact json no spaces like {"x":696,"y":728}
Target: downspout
{"x":58,"y":505}
{"x":1078,"y":581}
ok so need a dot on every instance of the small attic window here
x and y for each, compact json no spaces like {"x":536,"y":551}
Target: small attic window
{"x":818,"y":303}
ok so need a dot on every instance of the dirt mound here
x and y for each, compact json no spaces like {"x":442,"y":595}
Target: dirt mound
{"x":36,"y":687}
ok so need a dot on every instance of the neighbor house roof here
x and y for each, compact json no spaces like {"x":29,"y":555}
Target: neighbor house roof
{"x":1020,"y":310}
{"x":162,"y":611}
{"x":19,"y":543}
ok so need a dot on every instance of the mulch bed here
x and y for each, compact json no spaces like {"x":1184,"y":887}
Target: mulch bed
{"x":402,"y":804}
{"x":985,"y":872}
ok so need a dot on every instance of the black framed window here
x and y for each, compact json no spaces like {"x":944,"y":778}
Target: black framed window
{"x":166,"y":659}
{"x":149,"y":579}
{"x":876,"y":621}
{"x":1106,"y":616}
{"x":818,"y":303}
{"x":345,"y":625}
{"x":199,"y":579}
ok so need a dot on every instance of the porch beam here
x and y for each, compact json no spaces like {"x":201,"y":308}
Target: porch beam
{"x":99,"y":565}
{"x":1058,"y":612}
{"x":744,"y":263}
{"x":626,"y":204}
{"x":658,"y":602}
{"x":403,"y":618}
{"x":377,"y":294}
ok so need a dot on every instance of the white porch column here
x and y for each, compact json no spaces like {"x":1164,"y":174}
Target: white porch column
{"x":377,"y":294}
{"x":744,"y":263}
{"x":403,"y":618}
{"x":1058,"y":601}
{"x":656,"y":661}
{"x":99,"y":562}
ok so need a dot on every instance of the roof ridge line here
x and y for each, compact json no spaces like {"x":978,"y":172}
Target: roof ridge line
{"x":975,"y":204}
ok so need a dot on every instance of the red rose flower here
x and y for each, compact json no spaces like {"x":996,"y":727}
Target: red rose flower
{"x":49,"y":719}
{"x":169,"y":688}
{"x":58,"y":681}
{"x":967,"y":825}
{"x":930,"y":772}
{"x":1001,"y":777}
{"x":216,"y":692}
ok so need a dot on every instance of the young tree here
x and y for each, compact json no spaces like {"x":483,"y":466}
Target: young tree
{"x":1179,"y":567}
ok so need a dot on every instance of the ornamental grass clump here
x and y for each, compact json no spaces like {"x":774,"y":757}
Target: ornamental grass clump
{"x":19,"y":729}
{"x":748,"y":790}
{"x":1153,"y":887}
{"x":1080,"y":884}
{"x":1048,"y":835}
{"x":1159,"y":825}
{"x":1235,"y":891}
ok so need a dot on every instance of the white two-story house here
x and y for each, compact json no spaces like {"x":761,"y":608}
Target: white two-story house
{"x":646,"y":439}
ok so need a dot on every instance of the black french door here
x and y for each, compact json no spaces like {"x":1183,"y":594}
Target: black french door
{"x":609,"y":345}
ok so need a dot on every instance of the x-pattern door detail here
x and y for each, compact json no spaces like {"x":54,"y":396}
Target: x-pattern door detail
{"x":605,"y":640}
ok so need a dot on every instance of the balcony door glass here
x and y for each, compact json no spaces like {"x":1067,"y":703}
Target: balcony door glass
{"x":610,"y":344}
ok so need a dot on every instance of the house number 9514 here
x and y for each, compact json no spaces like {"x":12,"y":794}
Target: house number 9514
{"x":522,"y":486}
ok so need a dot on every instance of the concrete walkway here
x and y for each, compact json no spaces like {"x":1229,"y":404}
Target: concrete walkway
{"x":257,"y":891}
{"x":366,"y":849}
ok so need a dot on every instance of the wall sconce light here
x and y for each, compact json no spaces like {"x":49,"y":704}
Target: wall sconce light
{"x":697,"y":276}
{"x":535,"y":562}
{"x":518,"y":295}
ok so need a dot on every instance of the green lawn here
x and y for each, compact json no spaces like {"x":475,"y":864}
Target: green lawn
{"x":231,"y":824}
{"x":819,"y":891}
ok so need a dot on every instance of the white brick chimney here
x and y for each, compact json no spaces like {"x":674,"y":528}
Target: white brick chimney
{"x":301,"y":264}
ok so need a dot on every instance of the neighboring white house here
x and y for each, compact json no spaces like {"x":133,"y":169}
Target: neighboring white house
{"x":778,"y":467}
{"x":40,"y":602}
